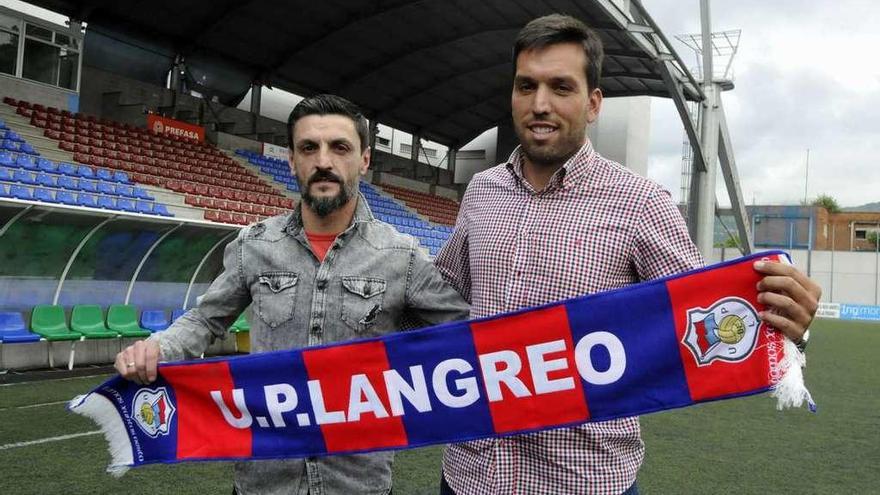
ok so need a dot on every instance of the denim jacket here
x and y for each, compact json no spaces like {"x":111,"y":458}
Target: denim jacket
{"x":373,"y":280}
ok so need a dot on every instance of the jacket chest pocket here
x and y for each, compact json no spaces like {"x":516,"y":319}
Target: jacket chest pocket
{"x":276,"y":297}
{"x":361,"y":301}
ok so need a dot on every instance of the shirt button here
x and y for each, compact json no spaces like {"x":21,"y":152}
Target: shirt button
{"x":316,"y":328}
{"x":322,"y":284}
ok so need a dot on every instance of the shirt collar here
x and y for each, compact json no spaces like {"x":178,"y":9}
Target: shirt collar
{"x":572,"y":171}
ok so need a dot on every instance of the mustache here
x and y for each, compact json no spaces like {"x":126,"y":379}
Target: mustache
{"x":325,"y":176}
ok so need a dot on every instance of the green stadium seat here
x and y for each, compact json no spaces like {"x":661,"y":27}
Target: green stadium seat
{"x":123,"y":319}
{"x":88,"y":319}
{"x":50,"y":323}
{"x":241,"y":324}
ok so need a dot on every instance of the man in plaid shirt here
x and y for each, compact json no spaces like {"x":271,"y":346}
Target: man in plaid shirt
{"x":556,"y":221}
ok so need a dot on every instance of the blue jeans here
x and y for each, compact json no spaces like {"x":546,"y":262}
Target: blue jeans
{"x":446,"y":490}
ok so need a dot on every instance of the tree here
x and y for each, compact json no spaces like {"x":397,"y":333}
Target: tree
{"x":828,"y":202}
{"x":873,"y":237}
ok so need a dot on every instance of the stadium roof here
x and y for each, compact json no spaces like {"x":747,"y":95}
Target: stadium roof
{"x":439,"y":68}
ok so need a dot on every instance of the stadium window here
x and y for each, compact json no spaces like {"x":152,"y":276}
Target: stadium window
{"x":9,"y":29}
{"x":382,"y":141}
{"x":50,"y":57}
{"x":861,"y":234}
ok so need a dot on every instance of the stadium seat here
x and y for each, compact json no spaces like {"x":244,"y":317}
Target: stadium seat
{"x":126,"y":205}
{"x":154,"y":320}
{"x":4,"y":192}
{"x":122,"y":319}
{"x":47,"y":165}
{"x":88,"y":186}
{"x":45,"y":180}
{"x":44,"y":195}
{"x":65,"y":197}
{"x":67,"y":168}
{"x":13,"y":329}
{"x":88,"y":319}
{"x":241,"y":324}
{"x":24,"y":177}
{"x":7,"y":159}
{"x":19,"y":192}
{"x":126,"y":191}
{"x":104,"y":174}
{"x":49,"y":322}
{"x":6,"y":173}
{"x":68,"y":183}
{"x":144,"y":207}
{"x":26,"y":162}
{"x":106,"y":202}
{"x":89,"y":200}
{"x":120,"y":177}
{"x":85,"y":172}
{"x":27,"y":148}
{"x":141,"y":193}
{"x":107,"y":188}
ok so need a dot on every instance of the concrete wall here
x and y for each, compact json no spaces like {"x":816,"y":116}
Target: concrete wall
{"x":465,"y":168}
{"x":623,"y":132}
{"x":232,"y":142}
{"x":34,"y":92}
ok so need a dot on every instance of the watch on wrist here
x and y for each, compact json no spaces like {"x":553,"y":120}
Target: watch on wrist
{"x":802,"y":342}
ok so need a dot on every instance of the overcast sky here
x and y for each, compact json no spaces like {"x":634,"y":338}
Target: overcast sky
{"x":806,"y":76}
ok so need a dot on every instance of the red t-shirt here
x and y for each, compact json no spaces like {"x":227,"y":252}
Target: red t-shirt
{"x":321,"y":243}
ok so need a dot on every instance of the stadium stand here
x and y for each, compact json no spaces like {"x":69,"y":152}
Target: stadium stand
{"x":88,"y":319}
{"x":13,"y":329}
{"x":437,"y":209}
{"x":384,"y":207}
{"x":109,"y":154}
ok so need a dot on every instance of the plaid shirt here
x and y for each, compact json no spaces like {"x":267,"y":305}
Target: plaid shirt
{"x":596,"y":226}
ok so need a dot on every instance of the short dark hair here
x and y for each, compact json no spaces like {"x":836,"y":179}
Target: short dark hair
{"x":557,"y":28}
{"x":329,"y":105}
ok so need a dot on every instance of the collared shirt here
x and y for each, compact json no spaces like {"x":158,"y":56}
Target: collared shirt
{"x":373,"y":280}
{"x":597,"y":226}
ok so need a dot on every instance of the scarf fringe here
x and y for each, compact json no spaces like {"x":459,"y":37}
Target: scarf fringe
{"x":100,"y":410}
{"x":790,"y":391}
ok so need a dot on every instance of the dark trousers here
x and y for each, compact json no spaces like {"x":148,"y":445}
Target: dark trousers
{"x":445,"y":489}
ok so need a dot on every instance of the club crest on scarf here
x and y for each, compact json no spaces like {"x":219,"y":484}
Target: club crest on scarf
{"x":153,"y":411}
{"x":726,"y":331}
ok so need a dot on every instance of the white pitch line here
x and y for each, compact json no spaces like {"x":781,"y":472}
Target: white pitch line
{"x":47,"y":440}
{"x":32,"y":382}
{"x":31,"y":406}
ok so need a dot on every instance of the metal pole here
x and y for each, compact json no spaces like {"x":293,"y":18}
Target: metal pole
{"x":831,"y":289}
{"x":806,"y":175}
{"x":709,"y":126}
{"x":876,"y":263}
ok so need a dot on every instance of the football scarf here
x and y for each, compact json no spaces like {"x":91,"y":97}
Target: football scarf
{"x":658,"y":345}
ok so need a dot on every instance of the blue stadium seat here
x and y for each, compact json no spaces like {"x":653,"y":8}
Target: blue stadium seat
{"x":24,"y":177}
{"x":47,"y":165}
{"x":177,"y":313}
{"x":88,"y":186}
{"x":107,"y":188}
{"x":106,"y":202}
{"x":104,"y":174}
{"x":121,"y":177}
{"x":3,"y":124}
{"x":13,"y":136}
{"x":125,"y":191}
{"x":5,"y":173}
{"x":125,"y":205}
{"x":68,"y":182}
{"x":26,"y":162}
{"x":27,"y":148}
{"x":144,"y":207}
{"x":85,"y":172}
{"x":141,"y":193}
{"x":6,"y":158}
{"x":154,"y":320}
{"x":161,"y":209}
{"x":65,"y":197}
{"x":67,"y":168}
{"x":9,"y":145}
{"x":44,"y":195}
{"x":44,"y":179}
{"x":19,"y":192}
{"x":13,"y":329}
{"x":83,"y":199}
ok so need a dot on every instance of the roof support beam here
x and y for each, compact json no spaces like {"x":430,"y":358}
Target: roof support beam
{"x":731,"y":180}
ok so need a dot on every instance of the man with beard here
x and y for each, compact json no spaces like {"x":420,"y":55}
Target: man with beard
{"x":556,"y":221}
{"x":327,"y":272}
